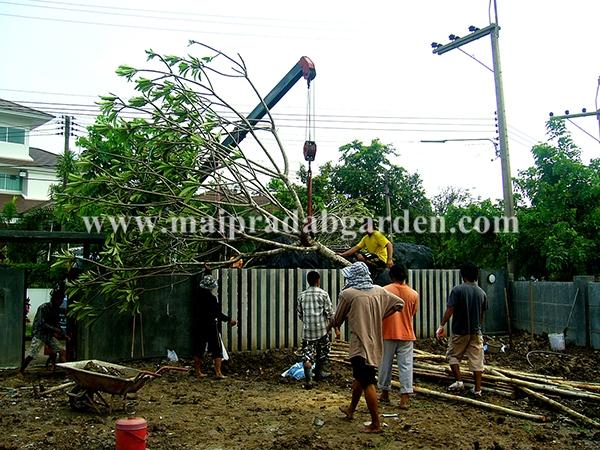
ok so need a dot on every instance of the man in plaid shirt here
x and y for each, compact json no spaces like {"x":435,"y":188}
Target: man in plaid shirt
{"x":315,"y":311}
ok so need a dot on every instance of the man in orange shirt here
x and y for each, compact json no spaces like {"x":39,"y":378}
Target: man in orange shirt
{"x":398,"y":338}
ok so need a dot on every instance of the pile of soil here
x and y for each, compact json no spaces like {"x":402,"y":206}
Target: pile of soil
{"x":255,"y":408}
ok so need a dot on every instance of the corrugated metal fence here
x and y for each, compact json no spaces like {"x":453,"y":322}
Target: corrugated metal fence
{"x":264,"y":303}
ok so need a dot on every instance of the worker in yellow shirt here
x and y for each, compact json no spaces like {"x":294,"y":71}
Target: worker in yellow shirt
{"x":374,"y":249}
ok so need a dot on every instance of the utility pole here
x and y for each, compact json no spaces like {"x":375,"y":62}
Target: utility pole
{"x":475,"y":33}
{"x":458,"y":42}
{"x":584,"y":113}
{"x":509,"y":208}
{"x":388,"y":206}
{"x":67,"y":132}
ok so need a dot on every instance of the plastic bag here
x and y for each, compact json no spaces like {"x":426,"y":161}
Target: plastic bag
{"x":172,"y":356}
{"x":224,"y":350}
{"x":297,"y":371}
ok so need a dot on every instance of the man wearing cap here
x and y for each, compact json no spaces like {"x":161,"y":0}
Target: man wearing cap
{"x":206,"y":315}
{"x":364,"y":305}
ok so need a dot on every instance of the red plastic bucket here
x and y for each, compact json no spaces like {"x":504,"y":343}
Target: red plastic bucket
{"x":131,"y":434}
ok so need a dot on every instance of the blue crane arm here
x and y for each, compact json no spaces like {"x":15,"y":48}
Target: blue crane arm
{"x":304,"y":68}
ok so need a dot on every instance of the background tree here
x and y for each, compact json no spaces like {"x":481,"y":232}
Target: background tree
{"x":451,"y":196}
{"x":560,"y":211}
{"x":32,"y":257}
{"x":365,"y":173}
{"x":485,"y":248}
{"x":159,"y":157}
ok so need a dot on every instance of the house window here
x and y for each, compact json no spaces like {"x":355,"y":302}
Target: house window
{"x":12,"y":134}
{"x":10,"y":182}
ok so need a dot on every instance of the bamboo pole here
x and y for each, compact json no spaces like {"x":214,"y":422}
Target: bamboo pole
{"x":560,"y":390}
{"x":496,"y":408}
{"x":60,"y":387}
{"x":494,"y":390}
{"x":547,"y":388}
{"x":581,"y":385}
{"x":502,"y":392}
{"x":559,"y":406}
{"x":552,"y":380}
{"x":519,"y":373}
{"x":431,"y":357}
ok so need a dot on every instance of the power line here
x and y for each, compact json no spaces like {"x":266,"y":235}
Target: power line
{"x":186,"y":18}
{"x":92,"y":111}
{"x":47,"y":93}
{"x":301,"y":115}
{"x":178,"y":30}
{"x":186,"y":13}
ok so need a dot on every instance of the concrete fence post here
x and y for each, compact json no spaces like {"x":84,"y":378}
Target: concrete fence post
{"x":581,"y":283}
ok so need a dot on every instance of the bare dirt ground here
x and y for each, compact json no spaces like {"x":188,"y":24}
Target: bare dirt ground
{"x":255,"y":409}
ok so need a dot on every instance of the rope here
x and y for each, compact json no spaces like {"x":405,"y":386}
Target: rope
{"x":544,"y":351}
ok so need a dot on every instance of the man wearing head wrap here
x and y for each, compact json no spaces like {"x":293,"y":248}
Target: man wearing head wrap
{"x":364,"y":305}
{"x":206,"y":315}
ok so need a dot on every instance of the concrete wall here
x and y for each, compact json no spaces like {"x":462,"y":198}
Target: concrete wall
{"x":165,"y":324}
{"x":495,"y":318}
{"x":544,"y":307}
{"x":12,"y":286}
{"x":593,"y":296}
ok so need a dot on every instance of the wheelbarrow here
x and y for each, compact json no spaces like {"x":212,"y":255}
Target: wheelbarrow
{"x":93,"y":378}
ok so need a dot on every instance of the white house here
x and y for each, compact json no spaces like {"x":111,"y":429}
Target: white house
{"x":25,"y":172}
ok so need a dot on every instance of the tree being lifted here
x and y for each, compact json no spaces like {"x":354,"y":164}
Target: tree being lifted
{"x":156,"y":166}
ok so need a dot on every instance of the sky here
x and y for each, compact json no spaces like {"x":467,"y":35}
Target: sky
{"x":376,"y":75}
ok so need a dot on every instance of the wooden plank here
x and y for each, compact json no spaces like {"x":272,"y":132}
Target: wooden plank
{"x":422,"y":288}
{"x":272,"y":301}
{"x":244,"y":311}
{"x":281,"y":289}
{"x":288,"y":300}
{"x":225,"y":304}
{"x":263,"y":310}
{"x":431,"y":303}
{"x":300,"y":286}
{"x":253,"y":309}
{"x":234,"y":296}
{"x":410,"y":281}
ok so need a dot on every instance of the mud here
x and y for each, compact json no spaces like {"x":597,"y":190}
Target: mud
{"x":253,"y":408}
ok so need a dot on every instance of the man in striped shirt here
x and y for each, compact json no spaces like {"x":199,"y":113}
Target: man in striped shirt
{"x":315,"y":311}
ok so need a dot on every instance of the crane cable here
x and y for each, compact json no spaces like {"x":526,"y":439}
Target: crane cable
{"x":310,"y":113}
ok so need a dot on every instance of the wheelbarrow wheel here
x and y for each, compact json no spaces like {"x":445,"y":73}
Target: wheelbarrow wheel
{"x":79,"y":399}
